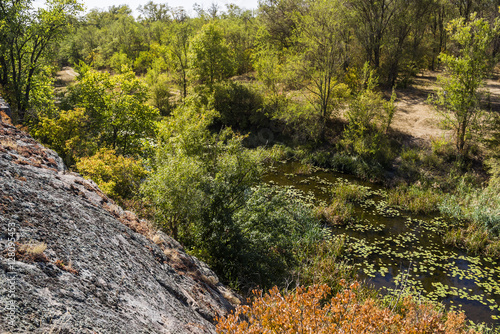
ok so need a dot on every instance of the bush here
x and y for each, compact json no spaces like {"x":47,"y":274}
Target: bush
{"x":314,"y":310}
{"x":338,"y":212}
{"x":350,"y":164}
{"x":369,"y":119}
{"x":203,"y":189}
{"x":324,"y":265}
{"x":350,"y":192}
{"x":159,"y":92}
{"x":69,"y":134}
{"x":239,"y":106}
{"x":117,"y":176}
{"x":200,"y":181}
{"x":116,"y":109}
{"x":302,"y":122}
{"x":278,"y":230}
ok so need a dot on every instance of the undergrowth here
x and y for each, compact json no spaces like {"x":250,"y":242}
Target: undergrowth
{"x":415,"y":198}
{"x":316,"y":309}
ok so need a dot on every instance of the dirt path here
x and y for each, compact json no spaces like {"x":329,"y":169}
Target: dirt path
{"x":66,"y":76}
{"x":416,"y":117}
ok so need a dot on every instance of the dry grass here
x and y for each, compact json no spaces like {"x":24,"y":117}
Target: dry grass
{"x":8,"y":143}
{"x":31,"y":252}
{"x":475,"y":238}
{"x":35,"y":249}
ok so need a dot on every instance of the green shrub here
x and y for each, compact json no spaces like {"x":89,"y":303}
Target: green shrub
{"x":444,"y":148}
{"x":119,"y":177}
{"x":369,"y":118}
{"x":301,"y":121}
{"x":203,"y":190}
{"x":350,"y":192}
{"x":159,"y":92}
{"x":351,"y":164}
{"x":69,"y":134}
{"x":474,"y":238}
{"x":324,"y":264}
{"x":239,"y":106}
{"x":278,"y":229}
{"x":410,"y":155}
{"x":115,"y":110}
{"x":120,"y":62}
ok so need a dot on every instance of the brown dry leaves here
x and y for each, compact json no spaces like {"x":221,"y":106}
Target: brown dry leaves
{"x":309,"y":310}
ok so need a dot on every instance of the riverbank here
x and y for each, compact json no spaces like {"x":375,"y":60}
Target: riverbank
{"x":392,"y":249}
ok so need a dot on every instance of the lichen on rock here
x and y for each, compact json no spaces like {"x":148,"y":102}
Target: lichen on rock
{"x":99,"y":269}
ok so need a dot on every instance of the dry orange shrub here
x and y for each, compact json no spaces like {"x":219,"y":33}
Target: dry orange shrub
{"x":308,"y":310}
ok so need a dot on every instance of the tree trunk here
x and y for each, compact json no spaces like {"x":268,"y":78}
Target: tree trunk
{"x":461,"y":137}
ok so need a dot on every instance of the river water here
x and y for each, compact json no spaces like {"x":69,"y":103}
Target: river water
{"x":394,"y":250}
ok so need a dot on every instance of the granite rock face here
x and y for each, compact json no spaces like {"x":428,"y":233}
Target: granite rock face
{"x":103,"y":270}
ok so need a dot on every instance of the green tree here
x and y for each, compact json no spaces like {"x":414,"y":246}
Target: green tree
{"x":239,"y":27}
{"x":270,"y":253}
{"x":277,"y":18}
{"x":27,"y":36}
{"x":199,"y":175}
{"x":159,"y":91}
{"x":466,"y":69}
{"x":200,"y":180}
{"x":116,"y":105}
{"x":153,"y":12}
{"x":101,"y":34}
{"x":102,"y":111}
{"x":371,"y":20}
{"x":210,"y":57}
{"x":369,"y":119}
{"x":389,"y":33}
{"x":203,"y":189}
{"x":324,"y":39}
{"x":178,"y":39}
{"x":69,"y":133}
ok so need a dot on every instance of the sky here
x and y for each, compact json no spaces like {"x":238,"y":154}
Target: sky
{"x":187,"y":4}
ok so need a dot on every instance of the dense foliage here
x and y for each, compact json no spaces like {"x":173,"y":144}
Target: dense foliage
{"x":203,"y":190}
{"x":119,"y":177}
{"x":179,"y":114}
{"x":314,"y":310}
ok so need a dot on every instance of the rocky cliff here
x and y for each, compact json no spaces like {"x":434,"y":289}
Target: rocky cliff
{"x":71,"y":261}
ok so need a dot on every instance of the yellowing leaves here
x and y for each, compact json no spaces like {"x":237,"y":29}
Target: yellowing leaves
{"x":116,"y":175}
{"x":314,"y":310}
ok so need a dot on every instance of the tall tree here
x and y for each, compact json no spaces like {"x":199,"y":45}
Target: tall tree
{"x":404,"y":34}
{"x":180,"y":35}
{"x":459,"y":98}
{"x":153,"y":12}
{"x":323,"y":36}
{"x":27,"y":35}
{"x":277,"y":17}
{"x":116,"y":107}
{"x":372,"y":19}
{"x":210,"y":56}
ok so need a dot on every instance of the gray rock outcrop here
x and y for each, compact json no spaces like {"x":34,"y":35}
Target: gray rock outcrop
{"x":81,"y":264}
{"x":4,"y":106}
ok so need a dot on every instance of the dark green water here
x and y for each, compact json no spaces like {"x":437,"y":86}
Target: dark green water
{"x":392,"y":249}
